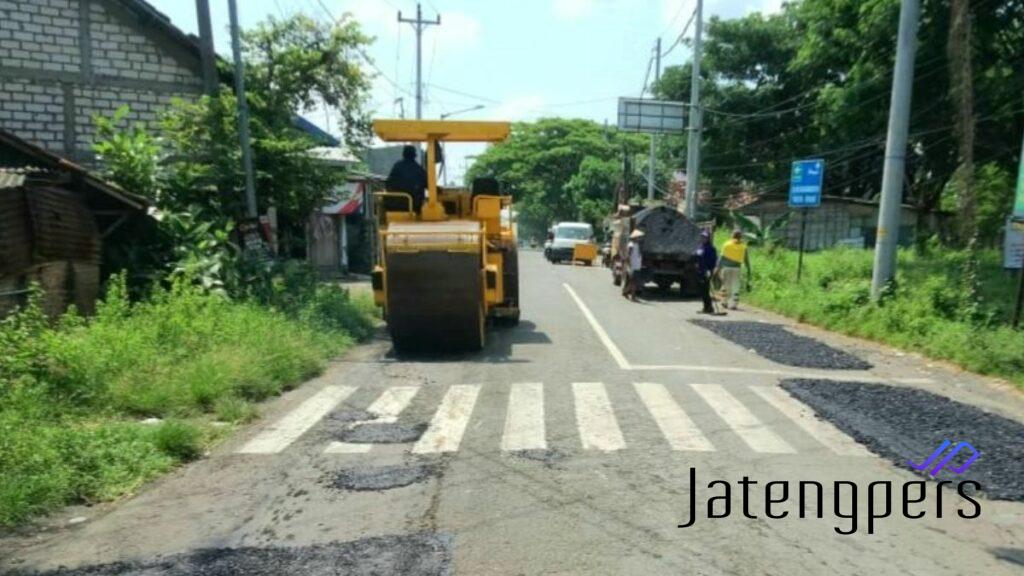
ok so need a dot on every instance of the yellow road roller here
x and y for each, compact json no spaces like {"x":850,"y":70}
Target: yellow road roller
{"x":443,"y":271}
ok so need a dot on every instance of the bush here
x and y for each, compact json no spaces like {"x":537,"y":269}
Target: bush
{"x":926,"y":311}
{"x":72,"y":393}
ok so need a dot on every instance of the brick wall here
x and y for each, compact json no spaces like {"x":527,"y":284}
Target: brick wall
{"x":64,"y":61}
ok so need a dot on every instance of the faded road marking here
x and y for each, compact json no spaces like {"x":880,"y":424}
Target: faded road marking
{"x":595,"y":419}
{"x":524,"y":421}
{"x":741,"y":420}
{"x":803,"y":417}
{"x":391,"y":403}
{"x":282,"y":433}
{"x":449,"y":423}
{"x":678,"y":429}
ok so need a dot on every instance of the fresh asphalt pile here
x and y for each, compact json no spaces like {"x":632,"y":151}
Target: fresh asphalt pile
{"x":777,"y":344}
{"x":907,"y":424}
{"x":425,"y":554}
{"x":376,"y":478}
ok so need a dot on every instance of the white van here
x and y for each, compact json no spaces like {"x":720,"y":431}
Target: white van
{"x":564,"y":237}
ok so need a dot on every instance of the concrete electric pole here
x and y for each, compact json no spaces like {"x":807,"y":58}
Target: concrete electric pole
{"x":887,"y":237}
{"x":650,"y":160}
{"x":693,"y":145}
{"x":419,"y":24}
{"x":208,"y":59}
{"x":243,"y":114}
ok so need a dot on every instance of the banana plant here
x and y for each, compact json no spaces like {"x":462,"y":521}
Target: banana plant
{"x":760,"y":234}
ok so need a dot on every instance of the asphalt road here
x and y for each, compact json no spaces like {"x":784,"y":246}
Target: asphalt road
{"x":564,"y":448}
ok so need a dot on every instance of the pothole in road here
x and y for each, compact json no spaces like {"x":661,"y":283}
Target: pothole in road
{"x":382,"y":433}
{"x":777,"y":344}
{"x":902,"y":424}
{"x":425,"y":554}
{"x":350,"y":416}
{"x":548,"y":458}
{"x":377,"y":478}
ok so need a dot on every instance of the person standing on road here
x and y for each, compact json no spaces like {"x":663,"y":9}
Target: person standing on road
{"x":734,"y":257}
{"x":707,"y":262}
{"x":634,"y":265}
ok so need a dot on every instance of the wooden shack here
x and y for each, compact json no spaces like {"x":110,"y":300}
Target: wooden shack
{"x":54,"y":218}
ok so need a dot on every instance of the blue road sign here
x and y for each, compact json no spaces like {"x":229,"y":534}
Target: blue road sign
{"x":805,"y":183}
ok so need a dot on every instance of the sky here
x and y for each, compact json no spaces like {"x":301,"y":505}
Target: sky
{"x":515,"y":59}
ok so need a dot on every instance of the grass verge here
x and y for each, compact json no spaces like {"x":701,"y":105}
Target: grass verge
{"x":90,"y":409}
{"x":926,"y":312}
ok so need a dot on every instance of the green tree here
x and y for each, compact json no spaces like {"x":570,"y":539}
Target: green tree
{"x":559,"y":169}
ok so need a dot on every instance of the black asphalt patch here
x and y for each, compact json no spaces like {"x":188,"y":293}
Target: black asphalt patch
{"x":376,"y":478}
{"x":777,"y":344}
{"x":903,"y":424}
{"x":382,"y":433}
{"x":414,"y":555}
{"x":350,"y":416}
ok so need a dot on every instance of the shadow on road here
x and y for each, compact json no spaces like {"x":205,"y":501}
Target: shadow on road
{"x":500,"y":342}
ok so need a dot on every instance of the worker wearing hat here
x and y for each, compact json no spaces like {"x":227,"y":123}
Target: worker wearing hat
{"x":634,"y":262}
{"x":707,"y":262}
{"x":734,"y":257}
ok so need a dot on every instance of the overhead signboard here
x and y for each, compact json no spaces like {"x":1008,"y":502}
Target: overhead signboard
{"x":654,"y":116}
{"x":805,"y":183}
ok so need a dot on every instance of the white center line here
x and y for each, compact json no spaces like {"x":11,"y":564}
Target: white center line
{"x":282,"y":433}
{"x":741,"y":420}
{"x":801,"y":415}
{"x":449,"y":423}
{"x":524,"y":421}
{"x":675,"y":425}
{"x":595,"y":419}
{"x":617,"y":354}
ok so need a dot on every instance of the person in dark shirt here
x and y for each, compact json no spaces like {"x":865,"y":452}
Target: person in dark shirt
{"x":409,"y":177}
{"x":707,"y":261}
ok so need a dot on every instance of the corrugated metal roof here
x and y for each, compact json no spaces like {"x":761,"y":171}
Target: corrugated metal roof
{"x":46,"y":161}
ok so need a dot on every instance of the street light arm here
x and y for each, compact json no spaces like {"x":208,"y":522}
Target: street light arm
{"x":473,"y":109}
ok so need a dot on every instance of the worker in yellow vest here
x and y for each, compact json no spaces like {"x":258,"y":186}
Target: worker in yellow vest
{"x":733,"y":257}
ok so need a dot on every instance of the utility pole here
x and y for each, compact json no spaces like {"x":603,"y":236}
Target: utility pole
{"x":693,"y":145}
{"x":207,"y":56}
{"x":887,"y":239}
{"x":419,"y":24}
{"x":650,"y":159}
{"x":243,"y":114}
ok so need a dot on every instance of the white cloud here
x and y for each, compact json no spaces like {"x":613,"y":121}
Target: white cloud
{"x":458,"y":31}
{"x":571,"y":9}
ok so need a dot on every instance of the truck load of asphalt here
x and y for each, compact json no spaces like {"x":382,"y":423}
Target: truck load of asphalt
{"x":425,"y":554}
{"x":382,"y":433}
{"x":777,"y":344}
{"x":377,"y":478}
{"x":907,"y":424}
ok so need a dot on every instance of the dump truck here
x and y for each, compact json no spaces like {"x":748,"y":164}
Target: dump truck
{"x":668,"y":250}
{"x":442,"y":272}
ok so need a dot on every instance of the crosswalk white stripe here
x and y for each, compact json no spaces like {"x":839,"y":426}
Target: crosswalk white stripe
{"x":675,"y":425}
{"x":391,"y":403}
{"x":741,"y":420}
{"x":820,"y":430}
{"x":595,"y":419}
{"x":524,"y":421}
{"x":449,"y":423}
{"x":286,"y":430}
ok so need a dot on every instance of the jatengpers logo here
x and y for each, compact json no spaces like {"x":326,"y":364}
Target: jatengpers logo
{"x":911,"y":498}
{"x":938,"y":467}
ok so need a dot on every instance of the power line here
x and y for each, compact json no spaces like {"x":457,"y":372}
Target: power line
{"x":679,"y":39}
{"x":466,"y":94}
